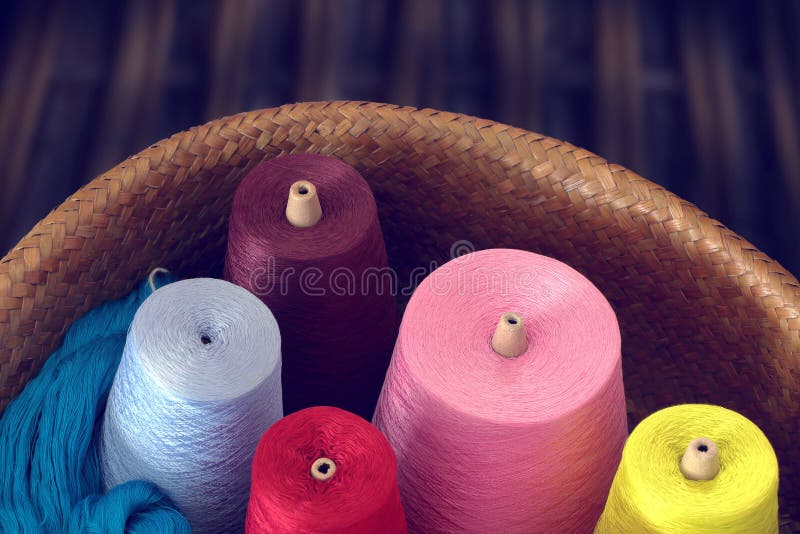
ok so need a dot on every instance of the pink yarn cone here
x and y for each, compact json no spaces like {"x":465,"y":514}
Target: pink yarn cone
{"x":489,"y":443}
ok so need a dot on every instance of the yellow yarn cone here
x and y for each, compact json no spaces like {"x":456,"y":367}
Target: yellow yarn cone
{"x":650,"y":493}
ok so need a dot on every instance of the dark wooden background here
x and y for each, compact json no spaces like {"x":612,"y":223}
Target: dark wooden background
{"x":701,"y":97}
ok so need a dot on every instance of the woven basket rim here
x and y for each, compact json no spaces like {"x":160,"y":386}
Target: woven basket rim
{"x":35,"y":247}
{"x":776,"y":277}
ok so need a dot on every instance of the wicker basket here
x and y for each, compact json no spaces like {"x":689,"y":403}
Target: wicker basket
{"x":705,"y":316}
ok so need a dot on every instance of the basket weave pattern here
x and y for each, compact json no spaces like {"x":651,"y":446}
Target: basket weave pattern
{"x":705,"y":316}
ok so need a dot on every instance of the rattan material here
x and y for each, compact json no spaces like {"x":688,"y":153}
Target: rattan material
{"x":705,"y":316}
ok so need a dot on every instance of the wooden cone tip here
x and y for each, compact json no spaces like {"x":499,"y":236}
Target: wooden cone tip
{"x":323,"y":469}
{"x":701,"y":460}
{"x":509,"y":336}
{"x":303,"y":209}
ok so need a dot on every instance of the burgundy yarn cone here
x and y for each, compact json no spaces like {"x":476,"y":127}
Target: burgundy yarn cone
{"x":326,"y":284}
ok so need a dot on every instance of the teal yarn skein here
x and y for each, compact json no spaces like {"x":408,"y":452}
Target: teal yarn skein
{"x":136,"y":507}
{"x":50,"y":479}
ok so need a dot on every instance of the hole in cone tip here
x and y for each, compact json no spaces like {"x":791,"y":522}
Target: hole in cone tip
{"x":323,"y":469}
{"x":702,"y":448}
{"x":303,"y":190}
{"x":511,"y":320}
{"x":205,"y":340}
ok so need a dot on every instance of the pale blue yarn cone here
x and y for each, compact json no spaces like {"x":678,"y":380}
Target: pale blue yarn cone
{"x":50,"y":479}
{"x":198,"y":384}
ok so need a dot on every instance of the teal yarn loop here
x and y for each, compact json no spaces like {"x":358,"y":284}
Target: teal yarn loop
{"x":135,"y":507}
{"x":50,"y":479}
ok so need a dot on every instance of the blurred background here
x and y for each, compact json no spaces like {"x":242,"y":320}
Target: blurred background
{"x":700,"y":97}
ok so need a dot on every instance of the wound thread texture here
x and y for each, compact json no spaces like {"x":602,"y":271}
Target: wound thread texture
{"x":326,"y":284}
{"x":198,"y":384}
{"x":650,"y":494}
{"x":487,"y":443}
{"x":50,"y":478}
{"x":360,"y":497}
